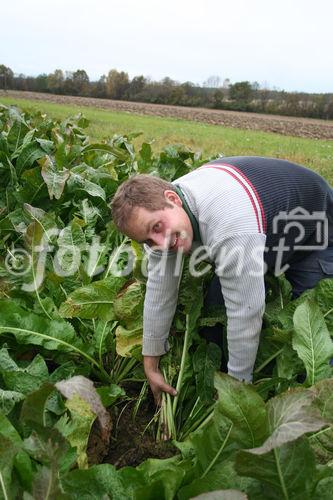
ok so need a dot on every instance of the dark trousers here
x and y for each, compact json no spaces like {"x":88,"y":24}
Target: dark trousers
{"x":302,"y":275}
{"x":306,"y":273}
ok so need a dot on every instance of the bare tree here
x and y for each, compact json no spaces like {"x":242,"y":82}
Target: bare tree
{"x":6,"y":77}
{"x":213,"y":81}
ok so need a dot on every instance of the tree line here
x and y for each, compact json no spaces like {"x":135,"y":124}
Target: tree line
{"x":239,"y":96}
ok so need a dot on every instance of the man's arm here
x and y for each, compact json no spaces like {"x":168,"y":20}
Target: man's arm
{"x":239,"y":261}
{"x":159,"y":309}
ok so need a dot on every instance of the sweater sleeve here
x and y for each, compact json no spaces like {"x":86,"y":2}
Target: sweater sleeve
{"x":239,"y":261}
{"x":160,"y":300}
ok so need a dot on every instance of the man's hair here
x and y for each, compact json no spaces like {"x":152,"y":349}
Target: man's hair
{"x":140,"y":190}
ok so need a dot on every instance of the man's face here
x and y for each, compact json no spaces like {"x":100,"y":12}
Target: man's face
{"x":167,"y":229}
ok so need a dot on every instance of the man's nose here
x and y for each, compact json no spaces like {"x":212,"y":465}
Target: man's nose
{"x":160,"y":240}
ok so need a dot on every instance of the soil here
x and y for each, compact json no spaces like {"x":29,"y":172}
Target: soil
{"x":131,"y":441}
{"x":286,"y":125}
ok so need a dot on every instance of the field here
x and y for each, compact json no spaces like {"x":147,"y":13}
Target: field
{"x":303,"y":141}
{"x":77,"y":420}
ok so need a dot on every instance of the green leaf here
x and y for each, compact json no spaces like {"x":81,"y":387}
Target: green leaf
{"x":96,"y":483}
{"x":33,"y":185}
{"x":278,"y":296}
{"x":110,"y":394}
{"x":82,"y":121}
{"x":128,"y":305}
{"x":16,"y":135}
{"x":71,"y":242}
{"x":288,"y":363}
{"x":46,"y":145}
{"x":64,"y":371}
{"x":8,"y":400}
{"x":33,"y":408}
{"x":98,"y":148}
{"x":290,"y":416}
{"x":38,"y":368}
{"x":322,"y":441}
{"x":129,"y":342}
{"x":207,"y":447}
{"x":49,"y":448}
{"x":286,"y":473}
{"x":240,"y":403}
{"x":23,"y":380}
{"x":30,"y":328}
{"x":8,"y":451}
{"x":238,"y":420}
{"x":323,"y":489}
{"x":312,"y":341}
{"x":146,"y":152}
{"x":14,"y":221}
{"x":46,"y":484}
{"x":46,"y":220}
{"x":93,"y":301}
{"x":54,"y":179}
{"x":206,"y":360}
{"x":323,"y":295}
{"x":103,"y":337}
{"x":72,"y":236}
{"x":77,"y":429}
{"x":166,"y":475}
{"x":22,"y":462}
{"x":6,"y":362}
{"x":84,"y":388}
{"x":221,"y":476}
{"x":28,"y":155}
{"x":78,"y":182}
{"x":222,"y":495}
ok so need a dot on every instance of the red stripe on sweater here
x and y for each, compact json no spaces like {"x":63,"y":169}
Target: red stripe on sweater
{"x":247,"y":191}
{"x":255,"y":192}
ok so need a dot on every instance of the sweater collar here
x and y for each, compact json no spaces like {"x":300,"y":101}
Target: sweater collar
{"x":194,"y":222}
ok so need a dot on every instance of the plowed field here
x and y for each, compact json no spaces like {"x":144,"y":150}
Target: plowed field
{"x":299,"y":127}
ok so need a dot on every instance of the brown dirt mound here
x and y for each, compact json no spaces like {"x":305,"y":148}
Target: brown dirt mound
{"x":298,"y":127}
{"x":131,"y":441}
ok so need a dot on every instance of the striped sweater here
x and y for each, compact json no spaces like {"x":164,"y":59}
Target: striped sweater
{"x":235,"y":202}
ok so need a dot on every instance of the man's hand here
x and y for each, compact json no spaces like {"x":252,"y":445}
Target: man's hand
{"x":156,"y":379}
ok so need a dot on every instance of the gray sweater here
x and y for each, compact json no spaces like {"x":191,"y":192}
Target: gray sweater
{"x":231,"y":199}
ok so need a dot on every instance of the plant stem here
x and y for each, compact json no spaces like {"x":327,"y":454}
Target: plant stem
{"x":268,"y":360}
{"x":163,"y":432}
{"x":182,"y":364}
{"x":138,"y":402}
{"x":328,"y":312}
{"x":115,"y":256}
{"x":123,"y":371}
{"x":314,"y":436}
{"x":198,"y":422}
{"x":212,"y":463}
{"x":3,"y":487}
{"x":209,"y":417}
{"x":170,"y":417}
{"x":283,"y":486}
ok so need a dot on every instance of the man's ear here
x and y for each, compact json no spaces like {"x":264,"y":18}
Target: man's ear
{"x":173,"y":197}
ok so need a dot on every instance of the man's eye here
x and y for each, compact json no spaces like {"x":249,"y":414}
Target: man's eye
{"x":157,"y":227}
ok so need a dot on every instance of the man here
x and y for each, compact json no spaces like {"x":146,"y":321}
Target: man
{"x":251,"y":214}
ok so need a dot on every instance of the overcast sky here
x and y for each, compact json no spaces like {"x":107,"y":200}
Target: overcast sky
{"x":286,"y":43}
